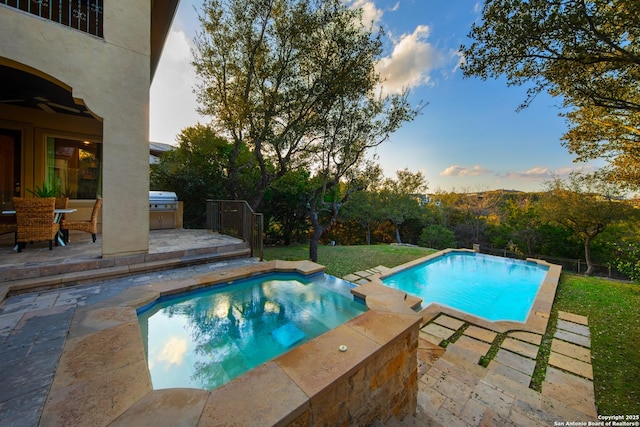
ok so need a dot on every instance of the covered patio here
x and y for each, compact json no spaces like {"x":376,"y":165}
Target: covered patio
{"x":81,"y":261}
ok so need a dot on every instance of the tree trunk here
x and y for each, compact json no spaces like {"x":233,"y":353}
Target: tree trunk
{"x":368,"y":234}
{"x":398,"y":239}
{"x":587,"y":256}
{"x":313,"y":244}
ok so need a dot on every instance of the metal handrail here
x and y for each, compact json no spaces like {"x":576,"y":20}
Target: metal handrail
{"x":236,"y":218}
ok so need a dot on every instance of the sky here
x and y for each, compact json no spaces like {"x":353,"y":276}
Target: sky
{"x":469,"y":136}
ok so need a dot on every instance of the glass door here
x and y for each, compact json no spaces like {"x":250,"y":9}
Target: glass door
{"x":9,"y":167}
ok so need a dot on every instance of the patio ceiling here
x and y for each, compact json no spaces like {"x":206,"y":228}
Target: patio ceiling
{"x":22,"y":89}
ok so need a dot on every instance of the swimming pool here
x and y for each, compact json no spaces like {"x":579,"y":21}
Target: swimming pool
{"x":206,"y":338}
{"x":485,"y":286}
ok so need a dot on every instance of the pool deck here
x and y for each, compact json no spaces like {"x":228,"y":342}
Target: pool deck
{"x":455,"y":389}
{"x":37,"y":330}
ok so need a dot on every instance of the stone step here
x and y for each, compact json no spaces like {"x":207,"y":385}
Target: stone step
{"x":520,"y":347}
{"x":575,"y":318}
{"x":418,"y":420}
{"x":529,"y":337}
{"x":480,"y":333}
{"x":469,"y":348}
{"x":438,"y":331}
{"x":571,"y":365}
{"x":469,"y":367}
{"x":575,"y":392}
{"x":91,"y":273}
{"x":448,"y":322}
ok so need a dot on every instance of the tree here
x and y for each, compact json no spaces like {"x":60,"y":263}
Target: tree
{"x":628,"y":260}
{"x":402,"y":198}
{"x":476,"y":209}
{"x":521,"y":219}
{"x":437,"y":237}
{"x":196,"y":170}
{"x":364,"y":207}
{"x":295,"y":80}
{"x":587,"y":52}
{"x":584,"y":206}
{"x":612,"y":134}
{"x":284,"y":206}
{"x":272,"y":72}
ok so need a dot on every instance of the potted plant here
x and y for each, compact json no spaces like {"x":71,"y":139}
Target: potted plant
{"x":45,"y":191}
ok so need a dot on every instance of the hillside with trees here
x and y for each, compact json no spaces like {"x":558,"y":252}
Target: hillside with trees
{"x":296,"y":108}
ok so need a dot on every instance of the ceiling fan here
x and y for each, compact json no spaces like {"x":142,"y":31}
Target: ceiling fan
{"x":43,"y":103}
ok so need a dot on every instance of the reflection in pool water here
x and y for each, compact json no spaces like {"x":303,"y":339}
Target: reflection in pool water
{"x":206,"y":338}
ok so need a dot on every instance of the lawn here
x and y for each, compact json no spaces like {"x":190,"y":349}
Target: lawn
{"x":613,"y":309}
{"x":343,"y":260}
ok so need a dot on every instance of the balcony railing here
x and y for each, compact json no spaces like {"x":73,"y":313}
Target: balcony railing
{"x":83,"y":15}
{"x":236,"y":218}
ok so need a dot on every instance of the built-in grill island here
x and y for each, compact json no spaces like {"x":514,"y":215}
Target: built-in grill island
{"x":165,"y":211}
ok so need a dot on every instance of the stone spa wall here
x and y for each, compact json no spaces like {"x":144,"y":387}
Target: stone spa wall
{"x":317,"y":383}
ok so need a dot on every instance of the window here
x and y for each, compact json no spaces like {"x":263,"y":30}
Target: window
{"x":75,"y":167}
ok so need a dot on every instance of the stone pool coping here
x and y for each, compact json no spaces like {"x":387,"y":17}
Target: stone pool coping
{"x":537,"y":319}
{"x":102,"y":376}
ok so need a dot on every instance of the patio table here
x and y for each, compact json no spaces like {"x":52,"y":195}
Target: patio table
{"x":57,"y":216}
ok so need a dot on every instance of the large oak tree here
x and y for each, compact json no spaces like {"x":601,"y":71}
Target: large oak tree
{"x":587,"y":52}
{"x":295,"y":81}
{"x":584,"y":206}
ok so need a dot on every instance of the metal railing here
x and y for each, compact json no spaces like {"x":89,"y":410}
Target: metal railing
{"x":236,"y":218}
{"x":569,"y":265}
{"x":82,"y":15}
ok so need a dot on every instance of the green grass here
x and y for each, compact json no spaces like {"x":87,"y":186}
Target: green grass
{"x":342,"y":260}
{"x":613,"y":309}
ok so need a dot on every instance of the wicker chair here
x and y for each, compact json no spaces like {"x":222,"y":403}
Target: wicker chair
{"x":62,"y":202}
{"x":35,"y":220}
{"x":88,"y":226}
{"x":8,"y":224}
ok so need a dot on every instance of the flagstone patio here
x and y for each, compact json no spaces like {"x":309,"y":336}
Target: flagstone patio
{"x":455,"y":390}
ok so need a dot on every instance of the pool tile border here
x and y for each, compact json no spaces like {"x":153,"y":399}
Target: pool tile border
{"x":537,"y":319}
{"x":97,"y":384}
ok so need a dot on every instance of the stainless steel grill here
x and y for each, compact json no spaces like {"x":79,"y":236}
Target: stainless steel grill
{"x":163,"y":207}
{"x":162,"y":201}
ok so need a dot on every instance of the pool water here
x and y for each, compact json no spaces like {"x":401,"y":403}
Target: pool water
{"x":204,"y":339}
{"x":485,"y":286}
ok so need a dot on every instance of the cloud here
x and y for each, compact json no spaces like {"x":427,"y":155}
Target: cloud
{"x":370,"y":13}
{"x":410,"y":62}
{"x":172,"y":99}
{"x":174,"y":351}
{"x":537,"y":172}
{"x":541,"y":173}
{"x":457,"y":170}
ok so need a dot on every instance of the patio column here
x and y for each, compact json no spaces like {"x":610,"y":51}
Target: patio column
{"x":125,"y":183}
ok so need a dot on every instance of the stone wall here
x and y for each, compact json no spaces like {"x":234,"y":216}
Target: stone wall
{"x":314,"y":384}
{"x":382,"y":385}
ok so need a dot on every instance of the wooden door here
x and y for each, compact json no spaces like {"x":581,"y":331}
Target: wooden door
{"x":9,"y":166}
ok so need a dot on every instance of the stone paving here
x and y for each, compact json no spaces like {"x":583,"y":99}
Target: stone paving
{"x":34,"y":328}
{"x":455,"y":389}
